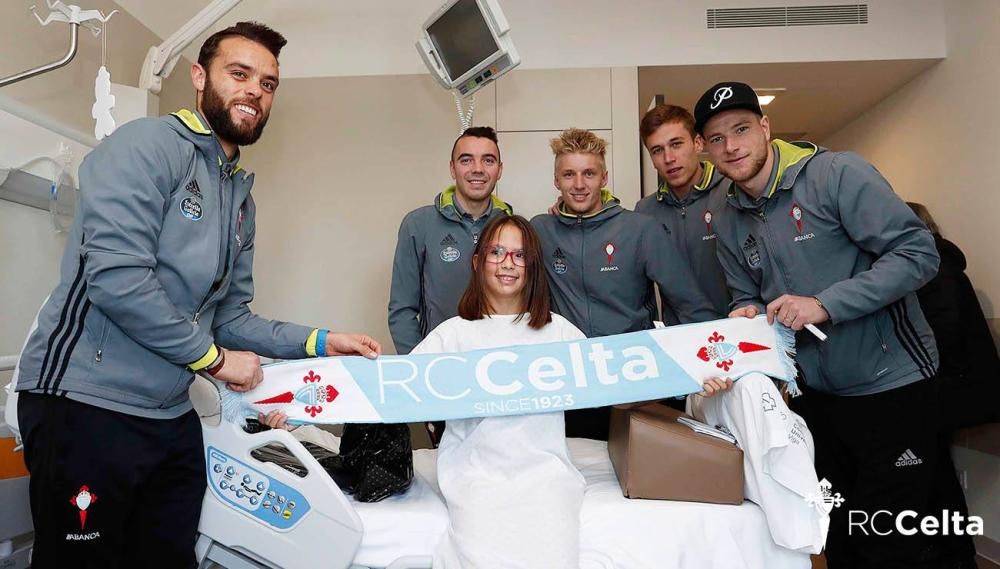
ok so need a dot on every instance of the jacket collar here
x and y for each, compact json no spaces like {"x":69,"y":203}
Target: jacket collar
{"x":790,"y":159}
{"x":193,"y":127}
{"x":447,"y":205}
{"x":612,"y":207}
{"x":710,"y":178}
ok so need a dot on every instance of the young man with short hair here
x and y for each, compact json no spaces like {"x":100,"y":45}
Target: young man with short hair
{"x":602,"y":260}
{"x":433,"y":259}
{"x":819,"y":237}
{"x":689,"y":202}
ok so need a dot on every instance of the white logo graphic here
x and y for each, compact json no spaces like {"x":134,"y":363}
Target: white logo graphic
{"x":450,"y":254}
{"x":827,"y":499}
{"x":908,"y":459}
{"x":721,"y":94}
{"x":708,"y":217}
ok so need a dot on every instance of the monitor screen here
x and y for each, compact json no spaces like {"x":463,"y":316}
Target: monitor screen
{"x":462,"y":38}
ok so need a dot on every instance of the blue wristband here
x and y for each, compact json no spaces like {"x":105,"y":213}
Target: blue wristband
{"x":321,"y":343}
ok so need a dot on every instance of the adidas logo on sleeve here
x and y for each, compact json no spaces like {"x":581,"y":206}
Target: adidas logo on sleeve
{"x":908,"y":459}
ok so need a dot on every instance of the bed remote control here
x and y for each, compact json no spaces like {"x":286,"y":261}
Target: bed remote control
{"x":254,"y":492}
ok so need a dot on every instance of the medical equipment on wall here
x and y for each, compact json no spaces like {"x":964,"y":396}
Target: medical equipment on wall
{"x":71,"y":15}
{"x":161,"y":59}
{"x":76,"y":17}
{"x":57,"y":195}
{"x":466,"y":44}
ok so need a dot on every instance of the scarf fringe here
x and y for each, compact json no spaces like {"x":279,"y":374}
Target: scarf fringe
{"x":786,"y":341}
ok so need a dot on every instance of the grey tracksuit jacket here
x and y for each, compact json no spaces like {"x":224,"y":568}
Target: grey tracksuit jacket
{"x":830,"y":226}
{"x":692,"y":222}
{"x":602,"y":267}
{"x":157,"y":268}
{"x":432,"y":266}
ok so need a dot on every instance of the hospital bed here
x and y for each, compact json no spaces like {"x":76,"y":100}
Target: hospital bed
{"x":257,"y":514}
{"x":328,"y":529}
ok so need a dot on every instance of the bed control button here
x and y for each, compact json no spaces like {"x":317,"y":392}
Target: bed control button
{"x":246,"y":478}
{"x":291,"y":505}
{"x":275,"y":509}
{"x":271,"y":494}
{"x":223,"y":485}
{"x":266,"y":504}
{"x":230,"y":471}
{"x":253,"y":500}
{"x":217,"y":468}
{"x":240,"y":494}
{"x":281,"y":499}
{"x":260,"y":486}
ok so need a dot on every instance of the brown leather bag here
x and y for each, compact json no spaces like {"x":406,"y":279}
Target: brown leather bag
{"x":656,"y":457}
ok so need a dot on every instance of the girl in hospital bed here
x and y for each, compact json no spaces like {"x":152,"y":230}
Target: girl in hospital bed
{"x":513,"y":495}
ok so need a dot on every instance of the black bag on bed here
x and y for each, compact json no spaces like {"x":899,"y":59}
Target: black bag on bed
{"x":375,"y":461}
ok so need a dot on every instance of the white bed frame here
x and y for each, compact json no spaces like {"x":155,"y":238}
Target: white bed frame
{"x":328,"y":535}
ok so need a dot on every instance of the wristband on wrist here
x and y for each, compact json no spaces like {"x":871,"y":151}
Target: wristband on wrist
{"x":321,"y":343}
{"x":216,"y":366}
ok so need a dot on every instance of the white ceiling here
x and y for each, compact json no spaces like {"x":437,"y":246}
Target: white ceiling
{"x":820,"y":97}
{"x":330,"y":38}
{"x":839,"y":70}
{"x":317,"y":30}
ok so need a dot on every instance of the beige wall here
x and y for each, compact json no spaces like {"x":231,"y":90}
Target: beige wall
{"x":931,"y":139}
{"x":344,"y":159}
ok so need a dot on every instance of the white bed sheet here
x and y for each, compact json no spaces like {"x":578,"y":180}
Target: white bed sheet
{"x":627,"y":534}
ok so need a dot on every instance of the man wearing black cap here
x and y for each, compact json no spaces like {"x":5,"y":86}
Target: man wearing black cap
{"x":818,"y":237}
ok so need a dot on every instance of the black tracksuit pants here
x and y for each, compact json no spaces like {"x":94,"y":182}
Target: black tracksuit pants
{"x":111,"y":490}
{"x":886,"y":453}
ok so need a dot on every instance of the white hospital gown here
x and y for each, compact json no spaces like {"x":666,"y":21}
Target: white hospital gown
{"x":513,"y":494}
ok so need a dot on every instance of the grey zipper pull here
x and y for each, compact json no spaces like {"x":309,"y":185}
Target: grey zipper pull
{"x":99,"y":356}
{"x":194,"y":319}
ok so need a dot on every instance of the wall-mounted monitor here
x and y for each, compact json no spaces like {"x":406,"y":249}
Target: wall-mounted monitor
{"x":466,"y":44}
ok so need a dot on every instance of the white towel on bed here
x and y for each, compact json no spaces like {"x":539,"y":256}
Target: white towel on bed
{"x":512,"y":492}
{"x":777,"y":458}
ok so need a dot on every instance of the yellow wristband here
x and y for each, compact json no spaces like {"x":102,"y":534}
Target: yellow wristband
{"x":206,"y":360}
{"x":311,"y":343}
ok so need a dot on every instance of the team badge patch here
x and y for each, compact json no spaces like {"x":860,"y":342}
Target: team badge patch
{"x":191,"y":208}
{"x":559,"y":261}
{"x":796,"y":214}
{"x":449,"y":253}
{"x":751,"y":252}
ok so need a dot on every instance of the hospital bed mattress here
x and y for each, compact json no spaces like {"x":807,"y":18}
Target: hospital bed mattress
{"x":631,"y":534}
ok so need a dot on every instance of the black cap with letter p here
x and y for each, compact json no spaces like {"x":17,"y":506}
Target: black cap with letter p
{"x":724,"y":97}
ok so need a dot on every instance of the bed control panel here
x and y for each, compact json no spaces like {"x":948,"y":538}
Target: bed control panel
{"x":244,"y":487}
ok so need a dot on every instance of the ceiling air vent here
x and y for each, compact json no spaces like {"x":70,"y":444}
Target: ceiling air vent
{"x":785,"y":16}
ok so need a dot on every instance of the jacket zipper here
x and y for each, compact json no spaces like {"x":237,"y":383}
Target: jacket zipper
{"x":222,"y":240}
{"x":583,"y":277}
